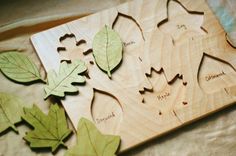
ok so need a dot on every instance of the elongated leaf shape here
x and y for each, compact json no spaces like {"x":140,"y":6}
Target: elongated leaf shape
{"x":60,"y":83}
{"x":49,"y":130}
{"x":19,"y":67}
{"x":11,"y":109}
{"x":107,"y":49}
{"x":91,"y":142}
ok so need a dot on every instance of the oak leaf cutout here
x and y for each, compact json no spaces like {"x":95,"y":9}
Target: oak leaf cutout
{"x":18,"y":67}
{"x":49,"y":130}
{"x":61,"y":82}
{"x":91,"y":142}
{"x":107,"y":49}
{"x":11,"y":109}
{"x":69,"y":44}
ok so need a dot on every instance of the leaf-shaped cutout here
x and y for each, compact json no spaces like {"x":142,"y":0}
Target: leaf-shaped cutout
{"x":129,"y":30}
{"x":60,"y":83}
{"x":107,"y":49}
{"x":19,"y":67}
{"x":49,"y":130}
{"x":11,"y":109}
{"x":91,"y":142}
{"x":107,"y":112}
{"x":164,"y":97}
{"x":215,"y":74}
{"x":181,"y":23}
{"x":69,"y":44}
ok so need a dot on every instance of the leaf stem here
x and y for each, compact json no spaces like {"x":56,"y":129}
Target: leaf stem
{"x":14,"y":128}
{"x":44,"y":81}
{"x":109,"y":74}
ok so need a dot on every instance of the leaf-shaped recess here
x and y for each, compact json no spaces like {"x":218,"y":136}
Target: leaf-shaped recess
{"x":60,"y":83}
{"x":165,"y":98}
{"x":215,"y":74}
{"x":181,"y":23}
{"x":107,"y":49}
{"x":19,"y":67}
{"x":49,"y":130}
{"x":10,"y":111}
{"x":91,"y":142}
{"x":107,"y":112}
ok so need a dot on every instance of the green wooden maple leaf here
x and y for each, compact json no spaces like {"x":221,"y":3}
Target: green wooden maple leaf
{"x":11,"y":109}
{"x":61,"y":82}
{"x":49,"y":130}
{"x":91,"y":142}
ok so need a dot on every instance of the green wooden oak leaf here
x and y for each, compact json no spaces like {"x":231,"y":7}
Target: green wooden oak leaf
{"x":61,"y":82}
{"x":91,"y":142}
{"x":107,"y":49}
{"x":18,"y":67}
{"x":49,"y":130}
{"x":11,"y":109}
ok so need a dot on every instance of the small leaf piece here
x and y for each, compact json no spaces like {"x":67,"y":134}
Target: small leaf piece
{"x":19,"y":67}
{"x":60,"y":83}
{"x":10,"y":111}
{"x":107,"y":49}
{"x":49,"y":130}
{"x":91,"y":142}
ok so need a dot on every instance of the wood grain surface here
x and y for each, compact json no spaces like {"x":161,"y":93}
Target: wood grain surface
{"x":177,"y":67}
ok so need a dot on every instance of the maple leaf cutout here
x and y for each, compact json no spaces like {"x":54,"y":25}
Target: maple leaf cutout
{"x":181,"y":23}
{"x":49,"y":130}
{"x":164,"y":97}
{"x":91,"y":142}
{"x":179,"y":26}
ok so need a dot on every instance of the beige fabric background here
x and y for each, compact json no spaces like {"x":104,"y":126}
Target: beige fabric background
{"x":226,"y":13}
{"x":19,"y":19}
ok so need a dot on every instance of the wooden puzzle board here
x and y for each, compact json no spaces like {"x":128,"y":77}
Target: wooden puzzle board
{"x":177,"y":67}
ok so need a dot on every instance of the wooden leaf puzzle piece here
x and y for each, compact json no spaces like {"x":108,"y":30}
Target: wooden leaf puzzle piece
{"x":18,"y":67}
{"x":49,"y":130}
{"x":90,"y":141}
{"x":107,"y":49}
{"x":11,"y":110}
{"x":61,"y":82}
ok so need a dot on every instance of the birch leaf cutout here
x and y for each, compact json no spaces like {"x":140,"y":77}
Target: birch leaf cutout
{"x":61,"y":82}
{"x":11,"y":109}
{"x":107,"y":49}
{"x":49,"y":130}
{"x":91,"y":142}
{"x":18,"y":67}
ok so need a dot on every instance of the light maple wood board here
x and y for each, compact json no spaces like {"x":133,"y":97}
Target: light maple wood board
{"x":177,"y":67}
